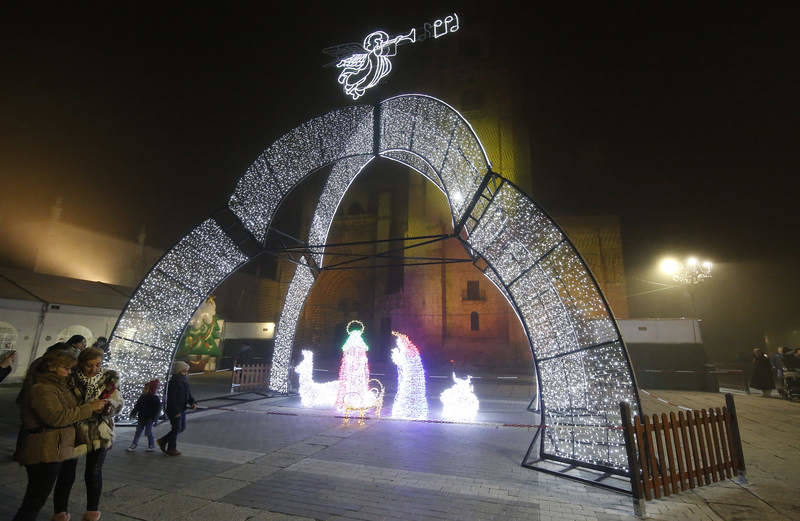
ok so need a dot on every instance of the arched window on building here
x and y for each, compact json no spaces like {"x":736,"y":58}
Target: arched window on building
{"x":474,"y":321}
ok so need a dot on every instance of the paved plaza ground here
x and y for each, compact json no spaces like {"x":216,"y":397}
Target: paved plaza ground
{"x":269,"y":459}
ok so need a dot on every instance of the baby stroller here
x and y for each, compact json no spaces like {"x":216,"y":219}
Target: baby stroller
{"x":789,"y":374}
{"x":791,"y":384}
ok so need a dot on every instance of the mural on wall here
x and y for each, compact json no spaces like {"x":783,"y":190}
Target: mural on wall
{"x":201,"y":343}
{"x":8,"y":342}
{"x":68,"y":332}
{"x":8,"y":336}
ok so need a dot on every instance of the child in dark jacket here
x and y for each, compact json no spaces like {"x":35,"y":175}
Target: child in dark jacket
{"x":146,"y":410}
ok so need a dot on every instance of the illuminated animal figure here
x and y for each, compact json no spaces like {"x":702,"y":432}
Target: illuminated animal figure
{"x":410,"y":401}
{"x":314,"y":393}
{"x":460,"y":403}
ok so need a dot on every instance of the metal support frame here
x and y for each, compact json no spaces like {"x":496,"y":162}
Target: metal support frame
{"x":733,"y":427}
{"x":633,"y":462}
{"x":308,"y":251}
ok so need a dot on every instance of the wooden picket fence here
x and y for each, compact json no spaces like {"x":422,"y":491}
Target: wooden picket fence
{"x":670,"y":454}
{"x":250,"y":378}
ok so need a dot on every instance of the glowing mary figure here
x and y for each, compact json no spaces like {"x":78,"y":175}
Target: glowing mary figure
{"x":354,"y":370}
{"x":409,"y":402}
{"x":364,"y":70}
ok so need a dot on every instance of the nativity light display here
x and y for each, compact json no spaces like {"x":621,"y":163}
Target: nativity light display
{"x":313,"y":394}
{"x":410,"y":401}
{"x":581,"y":363}
{"x":459,"y":401}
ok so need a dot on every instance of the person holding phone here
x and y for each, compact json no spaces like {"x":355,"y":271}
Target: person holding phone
{"x":47,"y":440}
{"x":89,"y":382}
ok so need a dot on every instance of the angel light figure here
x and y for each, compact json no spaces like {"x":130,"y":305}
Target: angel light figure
{"x":362,"y":71}
{"x":460,"y":403}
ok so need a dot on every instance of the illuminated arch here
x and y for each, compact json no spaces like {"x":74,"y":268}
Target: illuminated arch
{"x":581,"y":363}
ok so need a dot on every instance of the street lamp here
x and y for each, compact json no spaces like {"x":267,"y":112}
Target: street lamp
{"x":688,"y":274}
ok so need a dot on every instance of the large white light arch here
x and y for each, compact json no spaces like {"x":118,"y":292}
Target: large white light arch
{"x":581,"y":362}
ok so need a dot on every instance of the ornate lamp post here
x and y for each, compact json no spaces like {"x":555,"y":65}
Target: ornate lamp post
{"x":688,"y":274}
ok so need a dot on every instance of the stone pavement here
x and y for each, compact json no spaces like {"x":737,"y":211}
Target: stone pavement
{"x":270,"y":460}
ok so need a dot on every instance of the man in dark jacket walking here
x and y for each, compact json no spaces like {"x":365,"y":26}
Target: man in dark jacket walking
{"x":179,"y":398}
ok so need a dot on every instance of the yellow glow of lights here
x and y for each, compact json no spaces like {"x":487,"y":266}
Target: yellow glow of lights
{"x":669,"y":266}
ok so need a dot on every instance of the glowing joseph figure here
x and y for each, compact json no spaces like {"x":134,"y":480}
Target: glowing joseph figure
{"x":354,"y":370}
{"x":410,"y":401}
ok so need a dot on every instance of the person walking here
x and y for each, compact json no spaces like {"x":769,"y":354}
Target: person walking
{"x":47,"y":443}
{"x":146,"y":411}
{"x":88,"y":382}
{"x":762,"y":373}
{"x":179,"y":398}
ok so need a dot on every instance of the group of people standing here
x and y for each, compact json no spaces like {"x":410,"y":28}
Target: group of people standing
{"x":67,"y":404}
{"x":67,"y":407}
{"x":767,"y":371}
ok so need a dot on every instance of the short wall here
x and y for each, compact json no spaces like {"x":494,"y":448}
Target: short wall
{"x":668,"y":354}
{"x":672,"y":366}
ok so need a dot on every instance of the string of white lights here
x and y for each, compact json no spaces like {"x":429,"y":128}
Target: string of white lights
{"x":438,"y":134}
{"x":299,"y":288}
{"x":145,"y":338}
{"x":341,"y":176}
{"x":293,"y":156}
{"x":582,"y":364}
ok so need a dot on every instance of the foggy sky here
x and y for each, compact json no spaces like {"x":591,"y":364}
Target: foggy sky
{"x":684,"y":123}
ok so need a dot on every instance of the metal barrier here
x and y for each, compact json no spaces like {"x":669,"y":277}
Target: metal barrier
{"x":732,"y":378}
{"x":668,"y":455}
{"x":250,"y":378}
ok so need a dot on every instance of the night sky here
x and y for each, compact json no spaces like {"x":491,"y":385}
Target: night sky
{"x":684,"y":123}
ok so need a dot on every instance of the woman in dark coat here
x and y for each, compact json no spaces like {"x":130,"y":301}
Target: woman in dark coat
{"x":762,"y":373}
